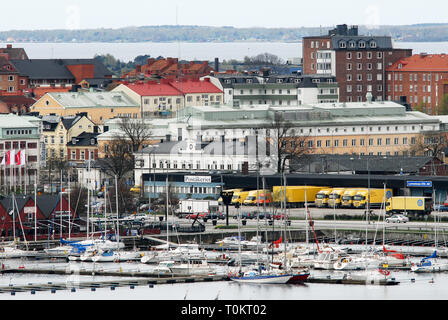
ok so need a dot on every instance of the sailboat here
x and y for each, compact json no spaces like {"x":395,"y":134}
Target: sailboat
{"x":429,"y":264}
{"x":274,"y":275}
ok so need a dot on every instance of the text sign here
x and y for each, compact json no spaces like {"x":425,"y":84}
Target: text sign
{"x":197,"y":179}
{"x":422,"y":184}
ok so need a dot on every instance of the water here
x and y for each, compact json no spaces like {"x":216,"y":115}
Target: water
{"x":188,"y":51}
{"x":424,"y":287}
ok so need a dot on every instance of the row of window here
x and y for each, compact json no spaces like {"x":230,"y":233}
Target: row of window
{"x":17,"y":145}
{"x":182,"y":190}
{"x":359,"y":88}
{"x":17,"y":132}
{"x":412,"y":88}
{"x":379,"y":77}
{"x":414,"y":77}
{"x":371,"y":142}
{"x":369,"y":66}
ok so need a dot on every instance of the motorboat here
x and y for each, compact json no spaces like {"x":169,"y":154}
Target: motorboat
{"x":430,"y":264}
{"x":192,"y":267}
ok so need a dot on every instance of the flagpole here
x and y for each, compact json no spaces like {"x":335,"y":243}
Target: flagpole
{"x":35,"y":211}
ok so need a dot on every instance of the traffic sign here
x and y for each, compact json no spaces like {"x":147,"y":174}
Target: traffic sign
{"x":422,"y":184}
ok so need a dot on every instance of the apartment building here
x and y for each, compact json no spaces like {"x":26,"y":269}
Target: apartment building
{"x":99,"y":106}
{"x":282,"y":90}
{"x":20,"y":133}
{"x":421,"y":80}
{"x":166,"y":98}
{"x":358,"y":62}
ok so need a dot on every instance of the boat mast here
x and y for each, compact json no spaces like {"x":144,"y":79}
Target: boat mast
{"x":284,"y":218}
{"x":167,"y":230}
{"x":116,"y":202}
{"x":88,"y":199}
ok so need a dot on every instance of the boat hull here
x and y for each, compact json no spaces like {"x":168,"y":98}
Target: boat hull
{"x":272,"y":279}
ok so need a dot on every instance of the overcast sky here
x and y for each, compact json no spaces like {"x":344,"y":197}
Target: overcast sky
{"x":85,"y":14}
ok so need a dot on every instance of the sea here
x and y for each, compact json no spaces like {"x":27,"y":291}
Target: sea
{"x":205,"y":51}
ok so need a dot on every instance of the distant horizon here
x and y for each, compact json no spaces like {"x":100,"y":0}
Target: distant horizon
{"x":229,"y":26}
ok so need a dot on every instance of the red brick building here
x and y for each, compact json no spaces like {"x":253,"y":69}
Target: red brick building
{"x":421,"y":80}
{"x":358,"y":62}
{"x":171,"y":69}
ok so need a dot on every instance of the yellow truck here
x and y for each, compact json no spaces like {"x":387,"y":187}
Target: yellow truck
{"x":295,"y":195}
{"x":347,"y":197}
{"x":256,"y":196}
{"x":409,"y":205}
{"x":239,"y":197}
{"x":229,"y":190}
{"x":377,"y":196}
{"x":334,"y":198}
{"x":321,"y":199}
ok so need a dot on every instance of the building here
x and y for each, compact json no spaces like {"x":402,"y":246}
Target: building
{"x":83,"y":147}
{"x":9,"y":76}
{"x":13,"y":53}
{"x":58,"y":131}
{"x":50,"y":211}
{"x":15,"y":104}
{"x":99,"y":106}
{"x":421,"y":81}
{"x":165,"y":98}
{"x":282,"y":90}
{"x":169,"y":68}
{"x":358,"y":62}
{"x":55,"y":73}
{"x":20,"y":133}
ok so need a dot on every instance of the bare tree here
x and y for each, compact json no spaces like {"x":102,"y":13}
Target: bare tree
{"x":430,"y":143}
{"x":136,"y":131}
{"x":118,"y":158}
{"x":287,"y":143}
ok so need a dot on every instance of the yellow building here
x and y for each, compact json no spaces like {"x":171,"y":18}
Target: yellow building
{"x":58,"y":131}
{"x":99,"y":106}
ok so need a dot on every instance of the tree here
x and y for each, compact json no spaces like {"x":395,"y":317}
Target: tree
{"x":443,"y":110}
{"x":136,"y":131}
{"x":118,"y":158}
{"x":287,"y":143}
{"x":430,"y":143}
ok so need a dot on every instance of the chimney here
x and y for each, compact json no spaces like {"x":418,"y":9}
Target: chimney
{"x":217,"y":64}
{"x":138,"y":68}
{"x":9,"y":46}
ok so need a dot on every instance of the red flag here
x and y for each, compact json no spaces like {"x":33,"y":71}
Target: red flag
{"x":277,"y":242}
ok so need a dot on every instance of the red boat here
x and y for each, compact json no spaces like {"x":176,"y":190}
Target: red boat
{"x":298,"y":278}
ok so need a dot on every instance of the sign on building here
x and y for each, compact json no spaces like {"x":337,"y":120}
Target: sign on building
{"x":197,"y":179}
{"x":421,"y":184}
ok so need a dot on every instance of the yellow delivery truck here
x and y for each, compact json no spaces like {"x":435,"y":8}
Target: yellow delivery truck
{"x":239,"y":197}
{"x":334,"y":198}
{"x":295,"y":195}
{"x":377,"y":196}
{"x":321,"y":199}
{"x":409,"y":205}
{"x":347,"y":197}
{"x":256,"y":196}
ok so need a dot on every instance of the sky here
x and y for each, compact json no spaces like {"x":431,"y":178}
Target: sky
{"x":88,"y":14}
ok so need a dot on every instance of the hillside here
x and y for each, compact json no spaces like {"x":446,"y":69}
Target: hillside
{"x":411,"y":33}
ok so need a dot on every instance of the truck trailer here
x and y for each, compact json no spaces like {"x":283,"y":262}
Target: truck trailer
{"x":409,"y":205}
{"x":296,"y":196}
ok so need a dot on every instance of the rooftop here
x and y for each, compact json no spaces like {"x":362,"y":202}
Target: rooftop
{"x":93,"y":99}
{"x":422,"y":62}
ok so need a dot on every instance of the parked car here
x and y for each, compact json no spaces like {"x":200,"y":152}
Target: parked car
{"x":397,"y":218}
{"x":263,"y":215}
{"x":215,"y":215}
{"x":280,"y":216}
{"x":196,"y":215}
{"x":441,"y":207}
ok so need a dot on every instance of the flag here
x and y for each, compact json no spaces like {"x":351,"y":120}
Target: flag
{"x":277,"y":242}
{"x":20,"y":158}
{"x":8,"y":159}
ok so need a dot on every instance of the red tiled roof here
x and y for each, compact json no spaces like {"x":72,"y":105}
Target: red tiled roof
{"x":422,"y":62}
{"x":196,"y":86}
{"x":154,"y":89}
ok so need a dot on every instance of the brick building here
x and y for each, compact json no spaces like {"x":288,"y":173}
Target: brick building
{"x":421,"y":80}
{"x":357,"y":62}
{"x":170,"y":68}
